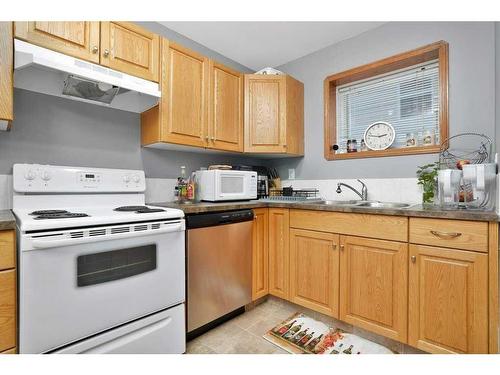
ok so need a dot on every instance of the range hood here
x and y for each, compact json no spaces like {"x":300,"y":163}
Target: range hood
{"x":42,"y":70}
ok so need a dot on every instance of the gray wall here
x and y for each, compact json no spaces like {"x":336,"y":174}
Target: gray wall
{"x":189,"y":43}
{"x":471,"y":90}
{"x":59,"y":131}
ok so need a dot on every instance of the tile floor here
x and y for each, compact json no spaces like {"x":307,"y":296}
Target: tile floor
{"x":246,"y":330}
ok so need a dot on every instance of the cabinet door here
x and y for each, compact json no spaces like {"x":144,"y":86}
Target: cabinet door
{"x":260,"y":260}
{"x":130,"y":49}
{"x":7,"y":309}
{"x":184,"y":95}
{"x":374,"y":285}
{"x":448,"y":300}
{"x":6,"y":75}
{"x":279,"y":222}
{"x":314,"y":270}
{"x":265,"y":113}
{"x":77,"y":39}
{"x":225,"y":127}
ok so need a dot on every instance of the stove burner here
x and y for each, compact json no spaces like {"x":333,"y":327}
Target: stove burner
{"x":130,"y":208}
{"x":63,"y":215}
{"x":48,"y":212}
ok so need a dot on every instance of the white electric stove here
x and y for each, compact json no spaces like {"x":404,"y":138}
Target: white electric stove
{"x":100,"y":272}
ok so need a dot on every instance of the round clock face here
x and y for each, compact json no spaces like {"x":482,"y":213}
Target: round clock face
{"x":379,"y":136}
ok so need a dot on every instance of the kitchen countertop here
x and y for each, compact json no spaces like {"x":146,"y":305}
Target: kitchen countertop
{"x":7,"y":220}
{"x":413,"y":211}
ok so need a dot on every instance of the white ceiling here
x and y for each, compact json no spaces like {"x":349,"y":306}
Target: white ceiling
{"x":261,"y":44}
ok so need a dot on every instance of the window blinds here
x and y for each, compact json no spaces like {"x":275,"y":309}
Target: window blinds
{"x":407,"y":99}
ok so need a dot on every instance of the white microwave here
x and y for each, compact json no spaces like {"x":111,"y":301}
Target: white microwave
{"x":226,"y":185}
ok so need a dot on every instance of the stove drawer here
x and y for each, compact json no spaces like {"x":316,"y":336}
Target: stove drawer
{"x":161,"y":333}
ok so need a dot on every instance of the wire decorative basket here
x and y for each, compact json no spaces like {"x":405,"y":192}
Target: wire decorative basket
{"x":289,"y":194}
{"x":456,"y":150}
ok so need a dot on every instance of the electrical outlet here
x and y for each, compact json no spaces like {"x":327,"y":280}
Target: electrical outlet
{"x":291,"y":174}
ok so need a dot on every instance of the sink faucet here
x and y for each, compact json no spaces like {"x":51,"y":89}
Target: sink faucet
{"x":364,"y":190}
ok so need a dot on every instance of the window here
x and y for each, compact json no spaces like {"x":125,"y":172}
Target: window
{"x":408,"y":91}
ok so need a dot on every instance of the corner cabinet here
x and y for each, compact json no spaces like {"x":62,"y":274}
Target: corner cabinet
{"x":274,"y":114}
{"x":314,"y":270}
{"x":260,"y":254}
{"x":373,"y":285}
{"x":6,"y":75}
{"x":448,"y":300}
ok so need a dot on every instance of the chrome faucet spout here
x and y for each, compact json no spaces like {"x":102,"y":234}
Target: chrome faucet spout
{"x":364,"y":190}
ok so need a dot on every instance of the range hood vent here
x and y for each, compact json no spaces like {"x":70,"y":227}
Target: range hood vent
{"x":41,"y":70}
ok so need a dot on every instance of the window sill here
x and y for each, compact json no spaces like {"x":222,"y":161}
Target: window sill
{"x":434,"y":149}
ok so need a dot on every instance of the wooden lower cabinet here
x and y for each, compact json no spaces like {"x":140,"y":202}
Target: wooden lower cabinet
{"x":314,"y":270}
{"x":7,"y":309}
{"x":448,"y":300}
{"x":260,"y":254}
{"x":279,"y":222}
{"x":10,"y":351}
{"x":374,"y":285}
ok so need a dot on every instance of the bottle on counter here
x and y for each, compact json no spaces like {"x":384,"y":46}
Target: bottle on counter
{"x":354,"y":145}
{"x":181,"y":187}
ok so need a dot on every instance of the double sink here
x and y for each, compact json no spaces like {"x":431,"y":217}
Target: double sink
{"x":364,"y":204}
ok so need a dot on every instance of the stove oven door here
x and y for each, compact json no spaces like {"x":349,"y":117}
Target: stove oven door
{"x":71,"y":292}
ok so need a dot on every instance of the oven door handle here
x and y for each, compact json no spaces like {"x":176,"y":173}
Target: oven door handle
{"x":45,"y":243}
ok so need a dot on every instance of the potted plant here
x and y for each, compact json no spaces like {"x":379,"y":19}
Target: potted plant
{"x":427,"y":177}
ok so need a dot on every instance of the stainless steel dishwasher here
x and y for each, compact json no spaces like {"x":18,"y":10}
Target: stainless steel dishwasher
{"x":219,"y":267}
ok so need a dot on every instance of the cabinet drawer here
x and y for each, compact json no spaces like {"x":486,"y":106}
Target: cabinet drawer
{"x":7,"y":253}
{"x":7,"y":309}
{"x":363,"y":225}
{"x":458,"y":234}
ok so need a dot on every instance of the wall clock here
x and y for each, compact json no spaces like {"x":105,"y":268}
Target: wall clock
{"x":379,"y":136}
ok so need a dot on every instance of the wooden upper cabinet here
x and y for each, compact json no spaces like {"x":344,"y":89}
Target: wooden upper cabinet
{"x":77,"y":39}
{"x":374,"y":285}
{"x":279,"y":252}
{"x":260,"y":258}
{"x":130,"y":49}
{"x":448,"y":300}
{"x":181,"y":117}
{"x":314,"y":270}
{"x":6,"y":75}
{"x":225,"y":125}
{"x":274,"y":114}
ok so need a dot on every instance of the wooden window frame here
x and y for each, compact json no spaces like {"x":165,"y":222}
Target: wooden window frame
{"x":435,"y":51}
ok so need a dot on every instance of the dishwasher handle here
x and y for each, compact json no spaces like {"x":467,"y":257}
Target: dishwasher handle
{"x":218,"y":218}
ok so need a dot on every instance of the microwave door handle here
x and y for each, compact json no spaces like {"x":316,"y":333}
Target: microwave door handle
{"x":45,"y":243}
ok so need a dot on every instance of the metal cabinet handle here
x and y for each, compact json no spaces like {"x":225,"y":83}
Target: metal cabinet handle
{"x":207,"y":138}
{"x":341,"y":247}
{"x":334,"y":246}
{"x":446,"y":235}
{"x":106,"y":53}
{"x":213,"y":139}
{"x":413,"y":258}
{"x":95,"y":49}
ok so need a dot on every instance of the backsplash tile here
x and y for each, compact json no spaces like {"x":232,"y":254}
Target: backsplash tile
{"x":403,"y":190}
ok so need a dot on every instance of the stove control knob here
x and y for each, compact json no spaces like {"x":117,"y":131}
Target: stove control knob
{"x":46,"y":176}
{"x":30,"y":175}
{"x":126,"y":178}
{"x":137,"y":179}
